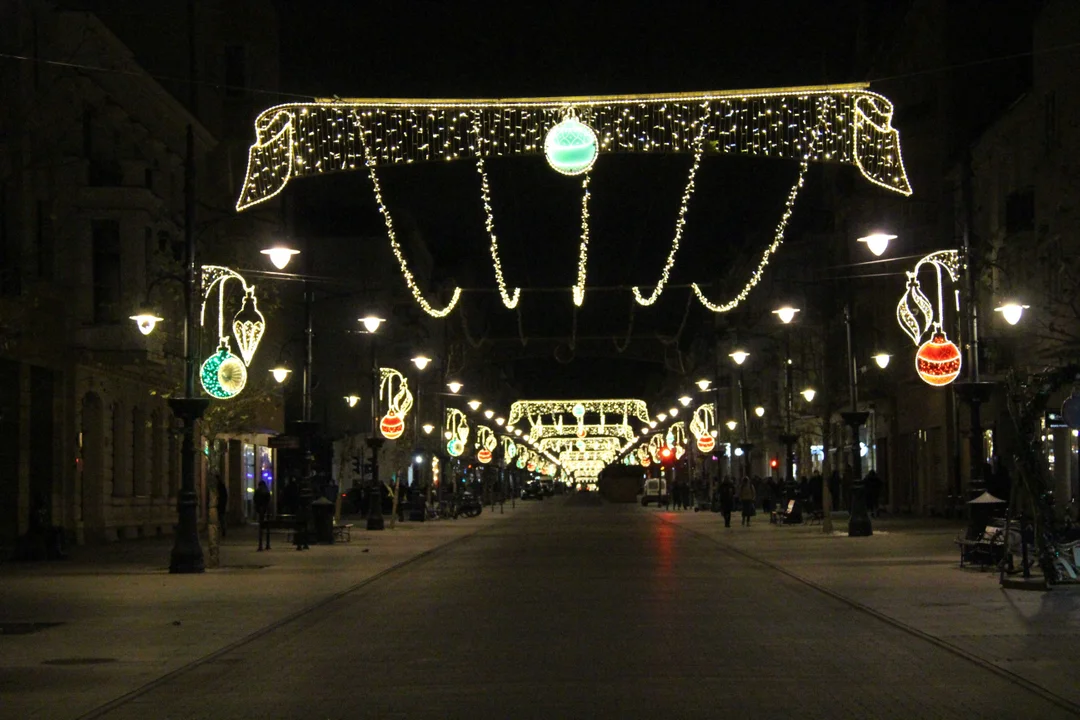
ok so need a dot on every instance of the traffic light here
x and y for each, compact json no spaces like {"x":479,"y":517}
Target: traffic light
{"x":667,"y":456}
{"x":774,"y":463}
{"x":356,"y":464}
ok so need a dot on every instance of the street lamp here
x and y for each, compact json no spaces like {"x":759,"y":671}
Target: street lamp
{"x":421,"y":362}
{"x":280,"y":256}
{"x":882,"y":359}
{"x":351,"y":400}
{"x":427,"y":428}
{"x":786,"y":313}
{"x":280,"y":374}
{"x":685,"y":400}
{"x":489,"y":414}
{"x":474,"y":405}
{"x":703,"y":384}
{"x":877,"y":242}
{"x":809,"y":394}
{"x":500,"y":421}
{"x":372,"y":323}
{"x":731,"y":425}
{"x":739,"y":356}
{"x":661,"y":416}
{"x":759,"y":411}
{"x":673,"y":412}
{"x":1011,"y":311}
{"x":454,"y":387}
{"x":147,"y":321}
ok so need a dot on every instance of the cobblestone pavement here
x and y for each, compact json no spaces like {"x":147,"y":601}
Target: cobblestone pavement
{"x":552,"y":610}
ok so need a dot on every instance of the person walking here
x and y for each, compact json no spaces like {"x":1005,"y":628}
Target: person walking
{"x":262,"y":509}
{"x":727,"y":500}
{"x":747,"y":496}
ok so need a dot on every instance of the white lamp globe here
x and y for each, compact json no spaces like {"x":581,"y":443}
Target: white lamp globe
{"x":280,"y":256}
{"x":280,"y":373}
{"x":759,"y":411}
{"x":1012,"y":312}
{"x":685,"y":400}
{"x":454,"y":387}
{"x":877,"y":242}
{"x":421,"y":362}
{"x":703,"y":384}
{"x":809,"y":394}
{"x":739,"y":356}
{"x":372,"y":323}
{"x":882,"y":359}
{"x":146,"y":322}
{"x":786,"y":313}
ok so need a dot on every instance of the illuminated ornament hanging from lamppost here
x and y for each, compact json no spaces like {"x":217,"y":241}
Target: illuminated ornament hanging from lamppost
{"x":706,"y":443}
{"x":248,"y":326}
{"x":458,"y":428}
{"x":223,"y":375}
{"x":486,"y":441}
{"x":400,"y":402}
{"x":521,"y":462}
{"x":571,"y":146}
{"x":938,"y":359}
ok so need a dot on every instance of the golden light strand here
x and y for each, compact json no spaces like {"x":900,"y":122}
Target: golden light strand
{"x":390,"y":234}
{"x":489,"y":222}
{"x":680,"y":223}
{"x":583,"y":251}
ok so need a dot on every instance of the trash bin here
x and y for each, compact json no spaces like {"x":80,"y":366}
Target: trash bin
{"x":322,"y":516}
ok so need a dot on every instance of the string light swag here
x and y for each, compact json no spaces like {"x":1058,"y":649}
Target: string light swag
{"x":680,"y":223}
{"x":509,"y":300}
{"x":399,"y":402}
{"x":223,"y":375}
{"x":616,"y":430}
{"x":583,"y":248}
{"x":369,"y":162}
{"x":938,"y":359}
{"x":457,"y":430}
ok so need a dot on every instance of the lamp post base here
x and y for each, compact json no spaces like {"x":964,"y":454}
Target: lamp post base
{"x":375,"y":516}
{"x":187,"y":554}
{"x":859,"y":524}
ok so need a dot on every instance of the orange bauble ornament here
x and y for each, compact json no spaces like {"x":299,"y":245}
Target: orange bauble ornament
{"x":705,"y":443}
{"x":392,"y":426}
{"x":646,"y":461}
{"x":938,"y":360}
{"x":484,"y":456}
{"x":530,"y":466}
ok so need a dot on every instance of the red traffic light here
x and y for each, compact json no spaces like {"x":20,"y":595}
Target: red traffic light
{"x":667,"y":456}
{"x":665,"y":453}
{"x":774,"y":463}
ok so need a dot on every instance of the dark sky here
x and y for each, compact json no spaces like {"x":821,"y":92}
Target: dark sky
{"x":442,"y":49}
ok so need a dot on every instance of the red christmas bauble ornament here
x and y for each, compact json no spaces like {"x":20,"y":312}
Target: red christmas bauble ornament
{"x":646,"y":461}
{"x":705,"y":443}
{"x":530,"y":466}
{"x":392,"y":426}
{"x":582,"y":432}
{"x":484,"y":456}
{"x":938,"y":360}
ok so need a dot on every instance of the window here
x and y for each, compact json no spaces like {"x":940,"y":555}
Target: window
{"x":106,"y":270}
{"x":1020,"y":210}
{"x":235,"y":72}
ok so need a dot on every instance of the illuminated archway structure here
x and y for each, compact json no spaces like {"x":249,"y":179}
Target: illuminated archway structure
{"x":845,"y":124}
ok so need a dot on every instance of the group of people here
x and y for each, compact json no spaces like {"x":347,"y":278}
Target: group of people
{"x":772,"y":492}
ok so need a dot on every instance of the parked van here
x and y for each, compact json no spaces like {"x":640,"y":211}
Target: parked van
{"x":655,"y":491}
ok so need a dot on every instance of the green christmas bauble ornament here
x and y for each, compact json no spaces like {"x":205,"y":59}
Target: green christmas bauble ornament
{"x":571,"y":147}
{"x":223,"y":375}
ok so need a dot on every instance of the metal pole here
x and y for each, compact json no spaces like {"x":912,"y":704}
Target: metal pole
{"x":788,"y":438}
{"x":307,"y":471}
{"x":859,"y":523}
{"x":375,"y":516}
{"x":187,"y":554}
{"x":746,"y":446}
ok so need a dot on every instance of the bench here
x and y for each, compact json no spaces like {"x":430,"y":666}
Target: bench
{"x":984,"y":550}
{"x":790,"y":515}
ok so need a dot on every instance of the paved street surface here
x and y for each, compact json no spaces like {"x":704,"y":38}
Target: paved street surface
{"x":565,"y":608}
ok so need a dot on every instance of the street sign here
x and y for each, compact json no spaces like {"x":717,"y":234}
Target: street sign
{"x":290,"y":442}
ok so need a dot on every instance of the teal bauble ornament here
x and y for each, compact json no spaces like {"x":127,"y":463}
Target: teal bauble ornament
{"x":223,"y":375}
{"x":455,"y":447}
{"x":571,"y":147}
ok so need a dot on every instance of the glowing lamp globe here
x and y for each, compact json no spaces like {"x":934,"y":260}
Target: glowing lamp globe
{"x":706,"y":443}
{"x":392,"y":426}
{"x":809,"y":394}
{"x":223,"y":375}
{"x":571,"y":147}
{"x":280,"y":256}
{"x":1012,"y":312}
{"x":146,"y":322}
{"x":454,"y":387}
{"x":882,"y":359}
{"x":484,"y":456}
{"x":280,"y":374}
{"x":877,"y":242}
{"x":938,"y":360}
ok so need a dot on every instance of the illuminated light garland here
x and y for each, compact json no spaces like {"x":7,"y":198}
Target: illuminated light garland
{"x":583,"y":249}
{"x":655,"y":443}
{"x":398,"y":403}
{"x":703,"y":421}
{"x":618,"y":431}
{"x":303,"y":139}
{"x":486,"y":440}
{"x":676,"y":438}
{"x":680,"y":223}
{"x":530,"y":408}
{"x":369,"y":161}
{"x":509,"y":301}
{"x":509,"y":447}
{"x":223,"y":375}
{"x":592,"y":444}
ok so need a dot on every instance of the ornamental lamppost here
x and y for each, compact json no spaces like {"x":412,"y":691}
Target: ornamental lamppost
{"x":786,"y":315}
{"x":739,"y":357}
{"x":420,"y":362}
{"x":372,"y":324}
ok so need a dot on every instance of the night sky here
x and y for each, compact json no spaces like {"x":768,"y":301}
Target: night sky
{"x":439,"y":49}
